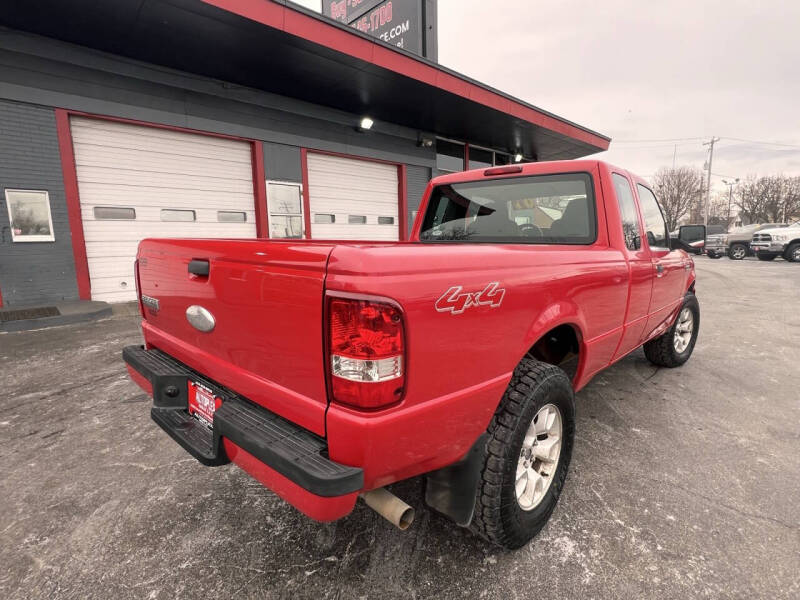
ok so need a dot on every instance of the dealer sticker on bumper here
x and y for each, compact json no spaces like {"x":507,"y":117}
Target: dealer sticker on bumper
{"x":203,"y":403}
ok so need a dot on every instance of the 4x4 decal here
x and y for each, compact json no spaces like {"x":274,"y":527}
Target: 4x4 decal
{"x":457,"y":301}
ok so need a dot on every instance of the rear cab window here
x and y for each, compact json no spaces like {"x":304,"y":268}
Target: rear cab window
{"x":534,"y":209}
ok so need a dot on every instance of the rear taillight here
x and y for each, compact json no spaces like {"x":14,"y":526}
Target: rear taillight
{"x":366,"y":352}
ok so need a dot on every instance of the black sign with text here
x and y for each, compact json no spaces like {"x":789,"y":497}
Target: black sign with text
{"x":397,"y":22}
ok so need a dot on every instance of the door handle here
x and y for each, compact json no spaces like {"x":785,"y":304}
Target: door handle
{"x":199,"y":267}
{"x":659,"y":270}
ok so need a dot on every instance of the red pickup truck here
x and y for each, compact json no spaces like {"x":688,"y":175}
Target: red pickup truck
{"x":330,"y":369}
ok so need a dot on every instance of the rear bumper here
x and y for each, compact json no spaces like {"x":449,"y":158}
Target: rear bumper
{"x":284,"y":457}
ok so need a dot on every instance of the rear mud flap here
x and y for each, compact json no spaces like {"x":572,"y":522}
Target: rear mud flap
{"x":452,"y":490}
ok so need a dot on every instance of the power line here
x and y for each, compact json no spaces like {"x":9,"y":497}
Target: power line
{"x":762,"y":142}
{"x":693,"y":139}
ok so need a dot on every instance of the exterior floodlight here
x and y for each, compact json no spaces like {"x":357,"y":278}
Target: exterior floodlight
{"x":518,"y":157}
{"x":366,"y":124}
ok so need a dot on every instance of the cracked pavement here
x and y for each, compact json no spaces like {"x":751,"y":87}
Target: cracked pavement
{"x":683,"y":483}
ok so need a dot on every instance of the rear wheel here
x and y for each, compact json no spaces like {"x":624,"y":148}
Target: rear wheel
{"x":793,"y":252}
{"x":712,"y":254}
{"x":765,"y":256}
{"x":674,"y":347}
{"x":737,"y":251}
{"x":527,"y":456}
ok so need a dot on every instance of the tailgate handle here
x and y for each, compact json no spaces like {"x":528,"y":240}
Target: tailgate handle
{"x":199,"y":267}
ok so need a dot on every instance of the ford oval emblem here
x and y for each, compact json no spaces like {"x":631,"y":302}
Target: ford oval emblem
{"x":200,"y":318}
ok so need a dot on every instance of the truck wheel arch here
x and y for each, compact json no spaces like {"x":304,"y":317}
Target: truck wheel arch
{"x":556,"y":338}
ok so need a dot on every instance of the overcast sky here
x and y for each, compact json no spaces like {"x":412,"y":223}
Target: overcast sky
{"x":639,"y":71}
{"x":646,"y":71}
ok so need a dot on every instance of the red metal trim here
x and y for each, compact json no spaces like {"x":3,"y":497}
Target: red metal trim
{"x":1,"y":298}
{"x":70,"y":176}
{"x":260,"y":190}
{"x":402,"y":184}
{"x":306,"y":197}
{"x":317,"y":31}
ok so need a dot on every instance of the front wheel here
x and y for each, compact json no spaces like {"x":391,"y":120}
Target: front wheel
{"x":674,"y":347}
{"x":712,"y":254}
{"x":737,"y":251}
{"x":527,"y":455}
{"x":766,"y":257}
{"x":793,"y":252}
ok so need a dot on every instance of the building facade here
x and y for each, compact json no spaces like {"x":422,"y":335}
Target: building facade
{"x":223,"y":118}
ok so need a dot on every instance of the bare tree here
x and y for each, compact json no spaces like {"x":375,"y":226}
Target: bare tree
{"x":678,"y":189}
{"x":769,"y":199}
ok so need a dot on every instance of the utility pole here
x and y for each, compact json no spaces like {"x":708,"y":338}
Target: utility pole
{"x":730,"y":185}
{"x":710,"y":143}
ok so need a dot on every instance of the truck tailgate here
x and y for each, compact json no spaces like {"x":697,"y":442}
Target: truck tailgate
{"x":266,"y":298}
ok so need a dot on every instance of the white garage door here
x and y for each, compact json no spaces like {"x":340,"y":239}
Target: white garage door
{"x":136,"y":182}
{"x":352,"y":199}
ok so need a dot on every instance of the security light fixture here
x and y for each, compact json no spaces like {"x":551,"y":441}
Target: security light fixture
{"x":518,"y":157}
{"x":365,"y":124}
{"x":424,"y":141}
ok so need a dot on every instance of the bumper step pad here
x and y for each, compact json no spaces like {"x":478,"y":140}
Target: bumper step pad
{"x":294,"y":452}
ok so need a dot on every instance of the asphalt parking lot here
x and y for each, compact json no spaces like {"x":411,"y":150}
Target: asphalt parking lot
{"x":684,"y":483}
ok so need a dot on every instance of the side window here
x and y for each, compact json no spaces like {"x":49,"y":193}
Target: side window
{"x":654,"y":222}
{"x":627,"y":209}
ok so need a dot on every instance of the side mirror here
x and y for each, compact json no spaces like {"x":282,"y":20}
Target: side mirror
{"x":691,"y":238}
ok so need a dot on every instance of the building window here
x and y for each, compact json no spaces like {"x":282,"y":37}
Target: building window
{"x":29,"y":216}
{"x":114,"y":213}
{"x":480,"y":158}
{"x":388,"y":220}
{"x":324,"y":219}
{"x":357,"y":219}
{"x":449,"y":156}
{"x":231,"y":216}
{"x":174,"y":214}
{"x":285,"y":202}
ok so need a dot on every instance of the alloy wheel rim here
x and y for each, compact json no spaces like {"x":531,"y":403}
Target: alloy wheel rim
{"x":796,"y":254}
{"x":538,"y":459}
{"x":683,"y":330}
{"x":738,"y":252}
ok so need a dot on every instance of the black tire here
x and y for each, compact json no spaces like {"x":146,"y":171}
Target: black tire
{"x":792,"y":253}
{"x":765,"y":257}
{"x":498,"y":516}
{"x":737,"y":251}
{"x":661,"y":351}
{"x":714,"y":255}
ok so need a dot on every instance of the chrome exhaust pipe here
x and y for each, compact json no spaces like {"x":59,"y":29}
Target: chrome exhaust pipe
{"x":390,"y":507}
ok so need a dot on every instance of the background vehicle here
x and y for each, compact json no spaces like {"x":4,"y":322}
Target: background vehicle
{"x":736,"y":244}
{"x":714,"y":245}
{"x":784,"y":241}
{"x":328,"y":370}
